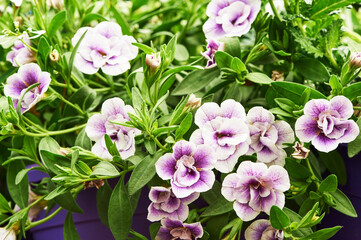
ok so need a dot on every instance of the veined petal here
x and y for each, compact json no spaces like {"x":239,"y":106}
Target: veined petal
{"x":244,"y":211}
{"x":314,"y":107}
{"x":279,"y":177}
{"x":324,"y":144}
{"x":206,"y":113}
{"x":248,"y":168}
{"x":342,"y":105}
{"x":95,"y":128}
{"x":183,"y":148}
{"x":165,"y":166}
{"x":259,"y":114}
{"x":232,"y":109}
{"x":306,"y":128}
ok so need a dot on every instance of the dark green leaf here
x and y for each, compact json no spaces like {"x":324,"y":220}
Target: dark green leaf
{"x":297,"y":170}
{"x":82,"y":140}
{"x":223,"y":59}
{"x":69,"y":231}
{"x":184,"y":126}
{"x":352,"y":91}
{"x":278,"y":218}
{"x":56,"y":22}
{"x":220,"y":206}
{"x":65,"y":200}
{"x":259,"y":78}
{"x":343,"y":204}
{"x":312,"y":69}
{"x":329,"y":184}
{"x":4,"y":205}
{"x":43,"y":48}
{"x":18,"y":192}
{"x":105,"y":169}
{"x":144,"y":48}
{"x":50,"y":161}
{"x":335,"y":164}
{"x":322,"y":234}
{"x":321,"y":8}
{"x":112,"y":148}
{"x":142,"y":173}
{"x":354,"y":147}
{"x":103,"y":197}
{"x":121,"y":20}
{"x":120,"y":212}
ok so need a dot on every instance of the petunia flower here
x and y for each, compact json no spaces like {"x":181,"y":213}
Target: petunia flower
{"x":224,"y":129}
{"x":212,"y":47}
{"x":175,"y":229}
{"x":326,"y":123}
{"x":166,"y":205}
{"x":189,"y":168}
{"x":113,"y":110}
{"x":7,"y":234}
{"x":105,"y":47}
{"x":262,"y":230}
{"x":26,"y":76}
{"x":21,"y":54}
{"x":268,"y":136}
{"x":255,"y":188}
{"x":230,"y":18}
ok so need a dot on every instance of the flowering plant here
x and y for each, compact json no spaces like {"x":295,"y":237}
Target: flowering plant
{"x":226,"y":119}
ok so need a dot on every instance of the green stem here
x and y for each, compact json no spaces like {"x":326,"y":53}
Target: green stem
{"x":34,"y":224}
{"x":27,"y":45}
{"x":76,"y":107}
{"x":157,"y":142}
{"x":276,"y":13}
{"x":354,"y":36}
{"x":63,"y":85}
{"x":51,"y":133}
{"x":356,"y":108}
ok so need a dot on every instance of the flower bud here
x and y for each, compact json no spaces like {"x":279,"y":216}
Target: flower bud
{"x":7,"y":234}
{"x":278,"y":76}
{"x":57,"y":4}
{"x":355,"y":59}
{"x":54,"y":56}
{"x":153,"y":61}
{"x":300,"y":151}
{"x":193,"y":102}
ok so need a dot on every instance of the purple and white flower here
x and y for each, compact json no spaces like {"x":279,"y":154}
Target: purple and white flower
{"x":166,"y":205}
{"x":7,"y":234}
{"x":262,"y":230}
{"x":255,"y":188}
{"x":113,"y":110}
{"x":105,"y":47}
{"x":230,"y":18}
{"x":175,"y":229}
{"x":21,"y":54}
{"x":223,"y":128}
{"x":189,"y":168}
{"x":17,"y":84}
{"x":268,"y":136}
{"x":17,"y":2}
{"x":326,"y":123}
{"x":212,"y":47}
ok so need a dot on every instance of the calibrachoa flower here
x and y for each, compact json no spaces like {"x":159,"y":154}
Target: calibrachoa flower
{"x":325,"y":123}
{"x":175,"y":229}
{"x":224,"y":129}
{"x":301,"y":152}
{"x":255,"y":188}
{"x":113,"y":110}
{"x":7,"y":234}
{"x":104,"y":47}
{"x":17,"y":84}
{"x":189,"y":168}
{"x":212,"y":47}
{"x":229,"y":18}
{"x":21,"y":54}
{"x":268,"y":136}
{"x":166,"y":205}
{"x":262,"y":230}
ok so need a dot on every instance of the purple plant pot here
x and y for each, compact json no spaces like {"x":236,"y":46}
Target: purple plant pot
{"x":351,"y":226}
{"x":87,"y":224}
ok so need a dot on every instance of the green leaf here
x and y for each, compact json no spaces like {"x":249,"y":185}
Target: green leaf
{"x":278,"y":218}
{"x":329,"y":184}
{"x":65,"y":200}
{"x":82,"y":140}
{"x":144,"y":48}
{"x":184,"y":126}
{"x":137,"y":98}
{"x":321,"y":8}
{"x":18,"y":192}
{"x":105,"y":169}
{"x":43,"y":48}
{"x":352,"y":91}
{"x":195,"y":81}
{"x":142,"y":173}
{"x":69,"y":232}
{"x":297,"y":170}
{"x":213,"y":194}
{"x":21,"y":174}
{"x":223,"y":59}
{"x":259,"y":78}
{"x":354,"y":147}
{"x":91,"y":17}
{"x":291,"y":91}
{"x":56,"y":22}
{"x":322,"y":234}
{"x":50,"y":161}
{"x":181,"y":53}
{"x":121,"y":20}
{"x":103,"y":197}
{"x":4,"y":205}
{"x":120,"y":212}
{"x":307,"y":219}
{"x":83,"y":97}
{"x":335,"y":164}
{"x":150,"y":145}
{"x":238,"y":66}
{"x":112,"y":148}
{"x":343,"y":204}
{"x":232,"y":46}
{"x":312,"y":69}
{"x":294,"y":217}
{"x":220,"y":206}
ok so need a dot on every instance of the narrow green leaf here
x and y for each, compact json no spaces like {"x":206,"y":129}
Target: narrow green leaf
{"x":343,"y":204}
{"x":184,"y":126}
{"x":69,"y":232}
{"x":322,"y":234}
{"x":259,"y":78}
{"x":334,"y":162}
{"x":56,"y":22}
{"x":103,"y":197}
{"x":18,"y":192}
{"x":144,"y":48}
{"x":354,"y":147}
{"x":105,"y":169}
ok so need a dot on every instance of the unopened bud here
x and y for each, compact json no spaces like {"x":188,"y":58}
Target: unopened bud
{"x":193,"y":102}
{"x":278,"y":76}
{"x":355,"y":60}
{"x":315,"y":218}
{"x":65,"y":151}
{"x":7,"y":234}
{"x":96,"y":183}
{"x":300,"y":151}
{"x":54,"y":56}
{"x":57,"y":4}
{"x":153,"y":61}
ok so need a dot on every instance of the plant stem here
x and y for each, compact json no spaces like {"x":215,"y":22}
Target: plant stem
{"x":354,"y":36}
{"x":276,"y":13}
{"x":76,"y":107}
{"x":51,"y":133}
{"x":34,"y":224}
